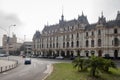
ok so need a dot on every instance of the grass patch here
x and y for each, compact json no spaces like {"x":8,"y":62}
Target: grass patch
{"x":65,"y":71}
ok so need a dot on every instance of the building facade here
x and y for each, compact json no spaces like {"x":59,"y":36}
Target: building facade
{"x":78,"y":37}
{"x":10,"y":45}
{"x":26,"y":48}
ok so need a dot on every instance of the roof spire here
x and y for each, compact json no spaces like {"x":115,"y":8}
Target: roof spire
{"x":62,"y":17}
{"x":82,"y":13}
{"x":102,"y":14}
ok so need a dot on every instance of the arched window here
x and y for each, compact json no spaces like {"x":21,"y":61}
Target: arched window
{"x":77,"y":44}
{"x":72,"y":44}
{"x":115,"y":31}
{"x":99,"y":42}
{"x":116,"y":41}
{"x":87,"y":43}
{"x":92,"y":43}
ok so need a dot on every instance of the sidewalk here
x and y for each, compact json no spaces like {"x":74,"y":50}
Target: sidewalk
{"x":7,"y":65}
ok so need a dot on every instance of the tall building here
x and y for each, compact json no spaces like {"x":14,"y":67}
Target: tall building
{"x":78,"y":37}
{"x":10,"y":45}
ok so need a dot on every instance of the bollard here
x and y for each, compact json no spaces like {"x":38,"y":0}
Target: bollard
{"x":1,"y":69}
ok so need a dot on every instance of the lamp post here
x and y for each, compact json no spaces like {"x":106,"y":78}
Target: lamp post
{"x":8,"y":40}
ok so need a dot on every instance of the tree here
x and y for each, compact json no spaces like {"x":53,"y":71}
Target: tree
{"x":78,"y":63}
{"x":108,"y":64}
{"x":95,"y":65}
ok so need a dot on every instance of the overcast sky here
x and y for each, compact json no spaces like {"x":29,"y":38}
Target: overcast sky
{"x":32,"y":15}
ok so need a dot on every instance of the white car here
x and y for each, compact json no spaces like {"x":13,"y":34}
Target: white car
{"x":3,"y":55}
{"x":60,"y":57}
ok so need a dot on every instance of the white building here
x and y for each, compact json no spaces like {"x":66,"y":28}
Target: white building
{"x":78,"y":37}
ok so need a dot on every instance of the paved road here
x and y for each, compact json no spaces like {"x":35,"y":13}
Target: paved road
{"x":35,"y":71}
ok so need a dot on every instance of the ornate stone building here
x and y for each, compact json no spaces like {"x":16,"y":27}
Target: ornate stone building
{"x":10,"y":45}
{"x":78,"y":37}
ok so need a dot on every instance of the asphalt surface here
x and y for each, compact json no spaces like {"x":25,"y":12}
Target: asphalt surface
{"x":35,"y":71}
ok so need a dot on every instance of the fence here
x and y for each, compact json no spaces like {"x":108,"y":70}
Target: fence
{"x":8,"y":67}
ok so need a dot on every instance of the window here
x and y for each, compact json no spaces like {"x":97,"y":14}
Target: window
{"x":86,"y":33}
{"x":77,"y":44}
{"x":115,"y":31}
{"x":99,"y":42}
{"x":67,"y":44}
{"x":72,"y":44}
{"x":72,"y":36}
{"x":77,"y":35}
{"x":56,"y":45}
{"x":64,"y":37}
{"x":92,"y":43}
{"x":92,"y":33}
{"x":87,"y":43}
{"x":50,"y":45}
{"x":116,"y":41}
{"x":63,"y":44}
{"x":53,"y":45}
{"x":99,"y":32}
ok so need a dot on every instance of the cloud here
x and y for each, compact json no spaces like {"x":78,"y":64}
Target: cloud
{"x":9,"y":19}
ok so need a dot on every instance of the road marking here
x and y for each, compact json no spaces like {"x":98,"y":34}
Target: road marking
{"x":48,"y":69}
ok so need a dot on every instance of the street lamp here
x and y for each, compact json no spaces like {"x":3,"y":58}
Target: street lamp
{"x":8,"y":39}
{"x":10,"y":27}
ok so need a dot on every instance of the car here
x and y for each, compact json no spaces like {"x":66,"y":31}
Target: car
{"x":23,"y":56}
{"x":51,"y":57}
{"x":40,"y":56}
{"x":27,"y":61}
{"x":3,"y":55}
{"x":60,"y":57}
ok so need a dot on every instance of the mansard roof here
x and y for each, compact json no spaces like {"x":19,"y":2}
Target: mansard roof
{"x":90,"y":26}
{"x":113,"y":23}
{"x":83,"y":20}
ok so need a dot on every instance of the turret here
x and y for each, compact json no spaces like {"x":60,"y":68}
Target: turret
{"x":102,"y":19}
{"x":83,"y":19}
{"x":118,"y":15}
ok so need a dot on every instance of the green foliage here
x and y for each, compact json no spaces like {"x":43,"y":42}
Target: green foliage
{"x":78,"y":63}
{"x":95,"y":64}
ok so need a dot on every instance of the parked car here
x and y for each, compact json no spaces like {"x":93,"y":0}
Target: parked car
{"x":3,"y":55}
{"x":51,"y":57}
{"x":27,"y":61}
{"x":60,"y":57}
{"x":40,"y":56}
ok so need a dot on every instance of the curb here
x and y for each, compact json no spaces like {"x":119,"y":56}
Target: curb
{"x":51,"y":70}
